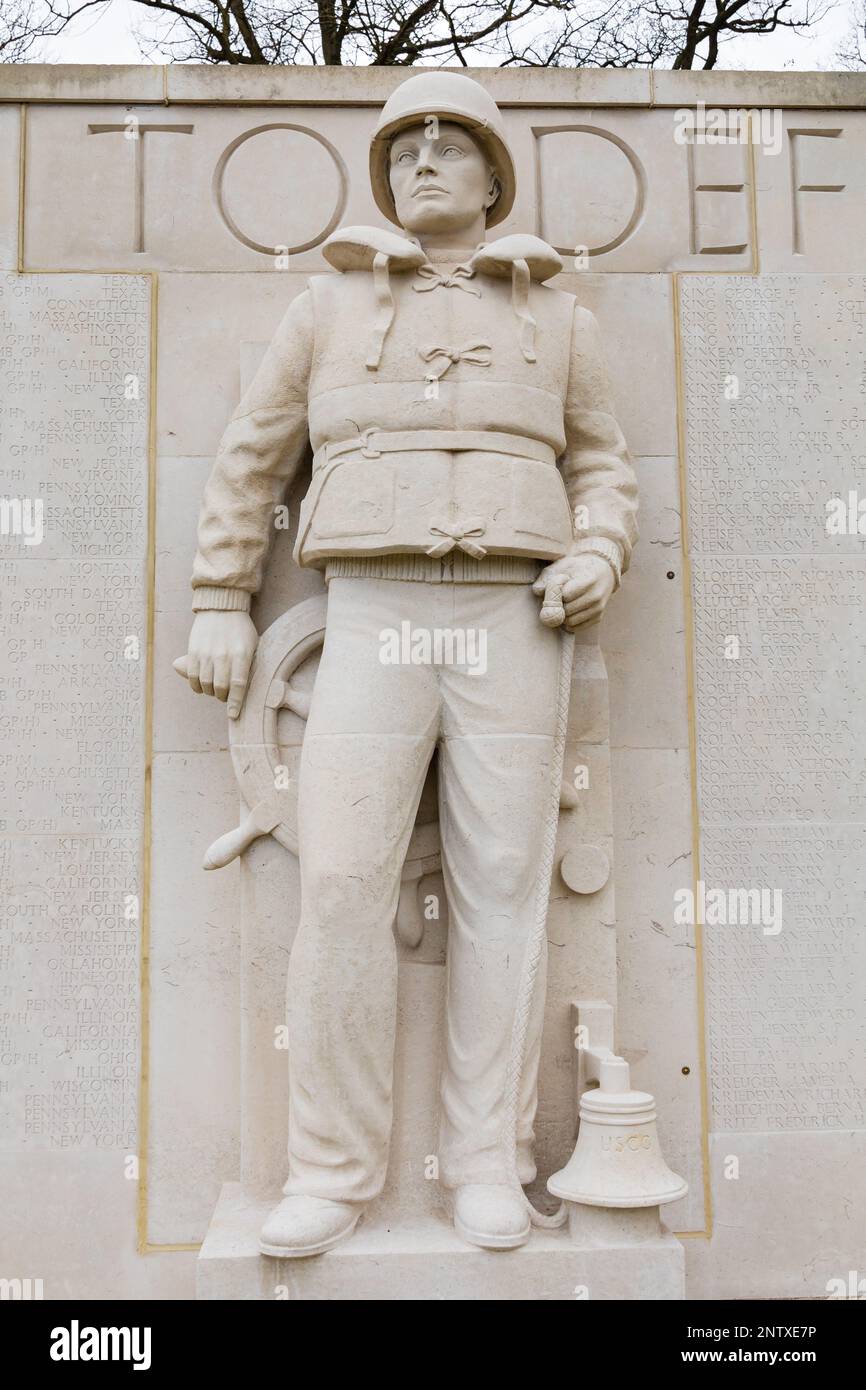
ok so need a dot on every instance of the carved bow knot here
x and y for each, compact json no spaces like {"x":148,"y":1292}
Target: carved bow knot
{"x":462,"y":538}
{"x":435,"y":278}
{"x":479,"y":353}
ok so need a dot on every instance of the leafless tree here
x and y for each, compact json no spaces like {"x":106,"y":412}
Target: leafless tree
{"x":24,"y":24}
{"x":662,"y":33}
{"x":533,"y":33}
{"x":852,"y":54}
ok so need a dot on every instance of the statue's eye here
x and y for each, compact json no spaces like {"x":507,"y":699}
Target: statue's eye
{"x":452,"y":152}
{"x":404,"y":157}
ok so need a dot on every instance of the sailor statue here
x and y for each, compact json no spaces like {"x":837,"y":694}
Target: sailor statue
{"x":468,"y":477}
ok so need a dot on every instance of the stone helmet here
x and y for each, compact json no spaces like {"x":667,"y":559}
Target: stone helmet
{"x":451,"y":97}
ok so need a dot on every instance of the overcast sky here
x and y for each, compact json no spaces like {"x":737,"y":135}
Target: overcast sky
{"x":107,"y":36}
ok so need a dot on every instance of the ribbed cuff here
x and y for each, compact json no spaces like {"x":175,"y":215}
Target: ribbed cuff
{"x":213,"y":597}
{"x":607,"y":550}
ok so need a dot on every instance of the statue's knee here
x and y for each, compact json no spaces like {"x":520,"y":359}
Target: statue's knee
{"x":345,"y":897}
{"x":509,"y":873}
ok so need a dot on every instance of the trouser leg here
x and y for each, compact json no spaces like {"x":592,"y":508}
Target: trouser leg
{"x":496,"y":776}
{"x":367,"y":745}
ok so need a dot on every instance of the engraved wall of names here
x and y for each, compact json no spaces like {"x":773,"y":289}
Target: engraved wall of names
{"x":775,"y":405}
{"x":74,"y":368}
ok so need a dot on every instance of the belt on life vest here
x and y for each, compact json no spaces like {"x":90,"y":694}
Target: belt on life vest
{"x":374,"y":442}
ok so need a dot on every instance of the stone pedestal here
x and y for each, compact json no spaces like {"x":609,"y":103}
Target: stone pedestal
{"x":603,"y":1256}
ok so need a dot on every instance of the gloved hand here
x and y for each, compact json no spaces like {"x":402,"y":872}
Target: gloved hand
{"x":576,"y":590}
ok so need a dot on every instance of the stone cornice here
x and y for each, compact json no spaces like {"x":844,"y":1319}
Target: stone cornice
{"x":196,"y":84}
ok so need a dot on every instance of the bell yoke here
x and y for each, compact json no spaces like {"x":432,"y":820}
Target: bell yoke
{"x":466,"y":464}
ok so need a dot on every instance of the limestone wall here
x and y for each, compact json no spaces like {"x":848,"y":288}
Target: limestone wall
{"x":154,"y":223}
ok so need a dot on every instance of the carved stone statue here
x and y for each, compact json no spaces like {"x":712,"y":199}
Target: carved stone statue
{"x":472,"y":502}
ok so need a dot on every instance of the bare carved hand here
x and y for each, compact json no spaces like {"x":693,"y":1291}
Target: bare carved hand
{"x":221,"y":650}
{"x":576,"y":590}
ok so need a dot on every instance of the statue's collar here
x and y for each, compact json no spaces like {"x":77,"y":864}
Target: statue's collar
{"x":456,"y":256}
{"x":362,"y":248}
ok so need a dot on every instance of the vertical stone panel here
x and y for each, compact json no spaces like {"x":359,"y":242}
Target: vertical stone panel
{"x":74,"y":451}
{"x":9,"y":136}
{"x":776,"y":445}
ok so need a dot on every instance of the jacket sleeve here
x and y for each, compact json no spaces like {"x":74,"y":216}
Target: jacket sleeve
{"x":258,"y":457}
{"x":596,"y":465}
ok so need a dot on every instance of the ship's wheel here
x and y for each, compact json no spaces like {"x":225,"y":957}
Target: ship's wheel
{"x":266,"y":740}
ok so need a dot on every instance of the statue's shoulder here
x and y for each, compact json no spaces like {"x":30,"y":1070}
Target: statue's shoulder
{"x":365,"y":248}
{"x":519,"y":253}
{"x":528,"y":263}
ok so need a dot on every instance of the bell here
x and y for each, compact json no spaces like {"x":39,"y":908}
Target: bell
{"x":617,"y":1161}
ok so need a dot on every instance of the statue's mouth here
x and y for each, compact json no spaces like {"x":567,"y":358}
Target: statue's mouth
{"x":428,"y":188}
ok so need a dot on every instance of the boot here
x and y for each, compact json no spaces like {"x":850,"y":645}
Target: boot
{"x":302,"y":1226}
{"x":492,"y":1216}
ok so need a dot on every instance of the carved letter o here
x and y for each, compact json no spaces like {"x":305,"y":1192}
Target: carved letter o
{"x":219,"y":175}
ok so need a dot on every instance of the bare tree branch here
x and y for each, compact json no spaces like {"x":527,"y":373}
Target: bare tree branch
{"x":852,"y":54}
{"x":26,"y":23}
{"x":517,"y":33}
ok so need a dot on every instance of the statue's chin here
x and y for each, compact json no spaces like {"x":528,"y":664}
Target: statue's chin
{"x":432,"y":219}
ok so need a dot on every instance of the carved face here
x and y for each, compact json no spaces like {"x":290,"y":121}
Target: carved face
{"x":440,"y":178}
